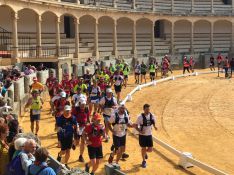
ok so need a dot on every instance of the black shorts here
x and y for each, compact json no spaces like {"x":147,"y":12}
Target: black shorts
{"x":66,"y":143}
{"x":51,"y":93}
{"x":146,"y":141}
{"x":95,"y":152}
{"x":125,"y":76}
{"x":118,"y":88}
{"x":35,"y":117}
{"x":152,"y":74}
{"x":137,"y":73}
{"x":119,"y":141}
{"x":143,"y":73}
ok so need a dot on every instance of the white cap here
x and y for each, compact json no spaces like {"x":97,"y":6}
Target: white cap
{"x":67,"y":108}
{"x":109,"y":90}
{"x":63,"y":94}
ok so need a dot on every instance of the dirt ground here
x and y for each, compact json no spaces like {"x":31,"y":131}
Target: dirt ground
{"x":193,"y":115}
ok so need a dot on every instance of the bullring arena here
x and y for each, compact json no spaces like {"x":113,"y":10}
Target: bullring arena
{"x":193,"y":112}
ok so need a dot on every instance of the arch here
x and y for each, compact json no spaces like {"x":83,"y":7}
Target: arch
{"x":49,"y":12}
{"x":28,"y":9}
{"x":182,"y":26}
{"x":87,"y":16}
{"x":8,"y":6}
{"x":222,"y":26}
{"x":68,"y":14}
{"x":202,"y":26}
{"x":27,"y":20}
{"x":105,"y":24}
{"x":143,"y":19}
{"x":6,"y":17}
{"x":48,"y":22}
{"x":202,"y":20}
{"x":101,"y":17}
{"x":124,"y":18}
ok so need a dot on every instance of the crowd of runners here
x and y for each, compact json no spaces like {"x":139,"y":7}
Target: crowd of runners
{"x":88,"y":112}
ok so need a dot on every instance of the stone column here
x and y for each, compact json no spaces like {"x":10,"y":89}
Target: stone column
{"x":172,"y":5}
{"x":232,"y":39}
{"x":15,"y":35}
{"x":192,"y":6}
{"x":114,"y":4}
{"x":58,"y":36}
{"x":153,"y":2}
{"x":191,"y":37}
{"x":38,"y":53}
{"x":211,"y":37}
{"x":172,"y":38}
{"x":115,"y":47}
{"x":232,"y":6}
{"x":134,"y":50}
{"x":96,"y":50}
{"x":212,"y":6}
{"x":152,"y":39}
{"x":77,"y":39}
{"x":78,"y":1}
{"x":133,"y":4}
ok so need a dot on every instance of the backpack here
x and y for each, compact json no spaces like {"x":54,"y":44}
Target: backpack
{"x":15,"y":166}
{"x":43,"y":167}
{"x":147,"y":122}
{"x":117,"y":119}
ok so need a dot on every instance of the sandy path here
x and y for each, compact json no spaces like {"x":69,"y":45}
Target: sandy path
{"x":192,"y":136}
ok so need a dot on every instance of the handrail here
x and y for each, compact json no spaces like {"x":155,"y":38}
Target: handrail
{"x":183,"y":156}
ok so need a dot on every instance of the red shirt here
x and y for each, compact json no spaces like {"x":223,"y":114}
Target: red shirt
{"x":82,"y":115}
{"x":50,"y":82}
{"x":66,"y":86}
{"x":219,"y":59}
{"x":73,"y":82}
{"x":102,"y":86}
{"x":186,"y":64}
{"x":95,"y":133}
{"x":56,"y":88}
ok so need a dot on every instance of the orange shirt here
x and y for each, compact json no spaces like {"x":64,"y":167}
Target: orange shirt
{"x":37,"y":86}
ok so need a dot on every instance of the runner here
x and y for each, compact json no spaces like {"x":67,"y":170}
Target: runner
{"x":169,"y":61}
{"x":93,"y":135}
{"x":186,"y":65}
{"x":152,"y":70}
{"x":137,"y":72}
{"x":76,"y":98}
{"x":103,"y":85}
{"x":112,"y":68}
{"x":94,"y":96}
{"x":126,"y":71}
{"x":143,"y":71}
{"x":36,"y":85}
{"x":226,"y":66}
{"x":35,"y":103}
{"x":87,"y":78}
{"x":219,"y":61}
{"x":191,"y":64}
{"x":81,"y":113}
{"x":232,"y":66}
{"x":144,"y":125}
{"x":60,"y":103}
{"x":118,"y":80}
{"x":165,"y":67}
{"x":66,"y":128}
{"x":66,"y":85}
{"x":49,"y":84}
{"x":118,"y":123}
{"x":108,"y":104}
{"x":212,"y":64}
{"x":82,"y":85}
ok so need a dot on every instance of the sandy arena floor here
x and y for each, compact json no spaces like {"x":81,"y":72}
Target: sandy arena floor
{"x":194,"y":115}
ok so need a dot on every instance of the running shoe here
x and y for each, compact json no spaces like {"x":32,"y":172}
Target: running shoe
{"x":146,"y":156}
{"x":87,"y":167}
{"x":59,"y":158}
{"x":110,"y":160}
{"x":125,"y":155}
{"x":112,"y":147}
{"x":143,"y":164}
{"x":81,"y":159}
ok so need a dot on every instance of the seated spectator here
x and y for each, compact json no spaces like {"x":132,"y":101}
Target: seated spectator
{"x":3,"y":148}
{"x":18,"y":145}
{"x":40,"y":166}
{"x":5,"y":87}
{"x":27,"y":155}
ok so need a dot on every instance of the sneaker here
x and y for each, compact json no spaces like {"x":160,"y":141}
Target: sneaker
{"x":143,"y":164}
{"x":110,"y":160}
{"x":87,"y":167}
{"x":73,"y":147}
{"x":112,"y":147}
{"x":146,"y":156}
{"x":59,"y":158}
{"x":81,"y":159}
{"x":125,"y":155}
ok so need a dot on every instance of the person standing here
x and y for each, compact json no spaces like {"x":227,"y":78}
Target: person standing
{"x":186,"y":65}
{"x":35,"y":103}
{"x":212,"y":64}
{"x":191,"y":64}
{"x":93,"y":135}
{"x":143,"y":71}
{"x":144,"y":125}
{"x":67,"y":126}
{"x":137,"y":72}
{"x":152,"y":70}
{"x":118,"y":123}
{"x":219,"y":60}
{"x":226,"y":66}
{"x":232,"y":66}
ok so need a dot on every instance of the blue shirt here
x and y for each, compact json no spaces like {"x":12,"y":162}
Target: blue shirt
{"x":46,"y":171}
{"x":66,"y":125}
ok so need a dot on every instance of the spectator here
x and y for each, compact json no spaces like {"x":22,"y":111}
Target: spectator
{"x":5,"y":87}
{"x":18,"y":145}
{"x":3,"y":148}
{"x":41,"y":67}
{"x":40,"y":166}
{"x":27,"y":157}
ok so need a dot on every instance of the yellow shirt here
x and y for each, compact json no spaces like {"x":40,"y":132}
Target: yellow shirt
{"x":37,"y":86}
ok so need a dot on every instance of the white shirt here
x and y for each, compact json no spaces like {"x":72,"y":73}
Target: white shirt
{"x":119,"y":129}
{"x":147,"y":130}
{"x":78,"y":98}
{"x":118,"y":79}
{"x":108,"y":111}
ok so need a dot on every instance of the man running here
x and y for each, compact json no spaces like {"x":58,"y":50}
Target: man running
{"x":186,"y":65}
{"x":36,"y":103}
{"x":66,"y":130}
{"x":76,"y":98}
{"x":152,"y":70}
{"x":232,"y":66}
{"x":143,"y":71}
{"x":36,"y":85}
{"x":118,"y":83}
{"x":212,"y":63}
{"x":94,"y":96}
{"x":144,"y":125}
{"x":219,"y":61}
{"x":49,"y":84}
{"x":93,"y":135}
{"x":118,"y":123}
{"x":126,"y":71}
{"x":226,"y":66}
{"x":137,"y":72}
{"x":108,"y":104}
{"x":191,"y":64}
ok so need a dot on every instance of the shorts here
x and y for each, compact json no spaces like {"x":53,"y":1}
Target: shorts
{"x":137,"y":73}
{"x":143,"y":73}
{"x":146,"y":141}
{"x":35,"y":117}
{"x":51,"y":93}
{"x":232,"y":68}
{"x":106,"y":118}
{"x":212,"y":64}
{"x":66,"y":143}
{"x":152,"y":74}
{"x":119,"y":141}
{"x":125,"y":76}
{"x":94,"y":101}
{"x":118,"y":88}
{"x":95,"y":152}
